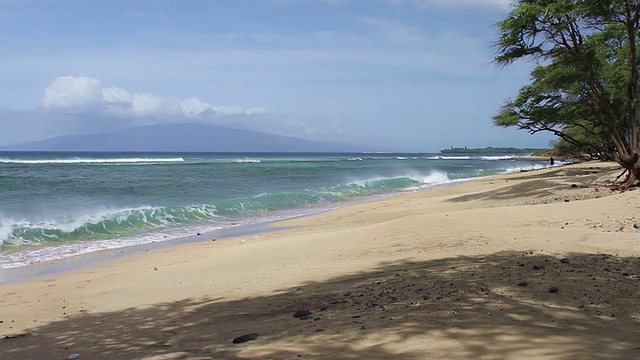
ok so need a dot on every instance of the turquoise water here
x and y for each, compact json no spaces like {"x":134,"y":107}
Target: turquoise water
{"x":54,"y":205}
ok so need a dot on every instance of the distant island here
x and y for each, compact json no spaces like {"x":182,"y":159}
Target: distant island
{"x":186,"y":137}
{"x":489,"y":150}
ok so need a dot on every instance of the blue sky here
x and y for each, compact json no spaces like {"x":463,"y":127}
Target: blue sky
{"x":399,"y":74}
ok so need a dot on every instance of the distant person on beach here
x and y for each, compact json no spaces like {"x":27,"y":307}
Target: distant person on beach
{"x":551,"y":161}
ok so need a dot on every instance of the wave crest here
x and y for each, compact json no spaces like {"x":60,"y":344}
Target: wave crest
{"x":92,"y":161}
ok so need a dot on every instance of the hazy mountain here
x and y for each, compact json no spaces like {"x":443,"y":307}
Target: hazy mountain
{"x":183,"y":138}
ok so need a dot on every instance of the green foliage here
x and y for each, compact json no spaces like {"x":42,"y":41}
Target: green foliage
{"x":585,"y":86}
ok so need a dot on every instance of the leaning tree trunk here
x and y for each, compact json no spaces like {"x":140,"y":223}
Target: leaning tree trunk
{"x":632,"y":10}
{"x":631,"y":169}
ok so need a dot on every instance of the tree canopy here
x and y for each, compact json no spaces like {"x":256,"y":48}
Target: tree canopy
{"x":584,"y":88}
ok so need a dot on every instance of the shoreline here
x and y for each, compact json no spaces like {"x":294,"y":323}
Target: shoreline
{"x":73,"y":262}
{"x":431,"y":273}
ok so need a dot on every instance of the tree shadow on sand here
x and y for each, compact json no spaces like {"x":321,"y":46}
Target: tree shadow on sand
{"x":537,"y":185}
{"x":460,"y":307}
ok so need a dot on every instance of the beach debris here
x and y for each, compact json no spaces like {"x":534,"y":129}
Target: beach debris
{"x":155,"y":268}
{"x":198,"y":234}
{"x":564,"y":261}
{"x":553,"y":289}
{"x":523,"y":283}
{"x":15,"y":336}
{"x":245,"y":338}
{"x":538,"y":267}
{"x":301,"y":313}
{"x":73,"y":356}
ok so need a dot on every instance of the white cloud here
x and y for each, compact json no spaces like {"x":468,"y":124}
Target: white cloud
{"x":76,"y":94}
{"x":72,"y":93}
{"x":81,"y":105}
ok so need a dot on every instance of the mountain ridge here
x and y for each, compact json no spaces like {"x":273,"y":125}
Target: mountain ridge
{"x":188,"y":137}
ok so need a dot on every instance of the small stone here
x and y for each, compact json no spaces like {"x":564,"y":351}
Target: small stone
{"x":523,"y":283}
{"x":553,"y":289}
{"x":574,"y":186}
{"x":538,"y":267}
{"x":155,"y":268}
{"x":301,"y":313}
{"x":73,"y":356}
{"x":245,"y":338}
{"x":564,"y":261}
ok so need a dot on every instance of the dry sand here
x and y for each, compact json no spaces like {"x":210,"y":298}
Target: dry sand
{"x":428,"y":275}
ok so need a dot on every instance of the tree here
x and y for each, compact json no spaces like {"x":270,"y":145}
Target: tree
{"x":585,"y":86}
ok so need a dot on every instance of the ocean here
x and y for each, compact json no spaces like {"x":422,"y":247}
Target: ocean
{"x":58,"y":205}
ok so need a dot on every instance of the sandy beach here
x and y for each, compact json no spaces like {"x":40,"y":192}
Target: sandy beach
{"x":455,"y":272}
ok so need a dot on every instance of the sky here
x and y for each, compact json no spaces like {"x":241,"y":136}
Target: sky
{"x":414,"y":75}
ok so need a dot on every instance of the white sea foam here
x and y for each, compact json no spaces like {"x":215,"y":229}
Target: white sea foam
{"x":434,"y":178}
{"x":36,"y":255}
{"x":496,"y":158}
{"x":247,"y":160}
{"x":44,"y":254}
{"x":6,"y":228}
{"x":525,"y":168}
{"x":151,"y":217}
{"x":454,"y":157}
{"x":92,"y":161}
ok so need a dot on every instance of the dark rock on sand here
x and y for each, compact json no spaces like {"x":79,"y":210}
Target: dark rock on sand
{"x":564,"y":261}
{"x":245,"y":338}
{"x":553,"y":289}
{"x":538,"y":267}
{"x":301,"y":313}
{"x":523,"y":283}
